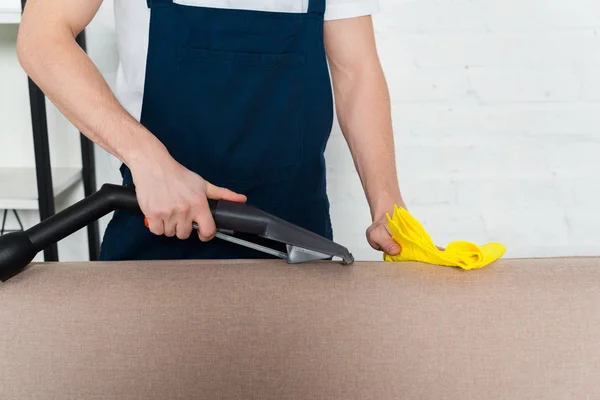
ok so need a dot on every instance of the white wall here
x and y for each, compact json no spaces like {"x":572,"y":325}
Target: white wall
{"x":502,"y":96}
{"x":497,"y":120}
{"x":497,"y":123}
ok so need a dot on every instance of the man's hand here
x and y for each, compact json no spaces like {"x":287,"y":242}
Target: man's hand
{"x":172,"y":197}
{"x":380,"y":237}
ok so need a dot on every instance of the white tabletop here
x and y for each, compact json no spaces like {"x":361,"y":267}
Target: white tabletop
{"x":10,"y":11}
{"x":18,"y":186}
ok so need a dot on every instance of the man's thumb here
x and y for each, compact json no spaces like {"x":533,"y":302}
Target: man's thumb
{"x":384,"y":242}
{"x":391,"y":247}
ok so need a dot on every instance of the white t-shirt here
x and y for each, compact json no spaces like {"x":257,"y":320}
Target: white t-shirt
{"x":132,"y":18}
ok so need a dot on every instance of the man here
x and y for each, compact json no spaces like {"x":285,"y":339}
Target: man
{"x":222,"y":99}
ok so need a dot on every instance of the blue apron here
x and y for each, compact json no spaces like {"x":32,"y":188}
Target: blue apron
{"x":243,"y":98}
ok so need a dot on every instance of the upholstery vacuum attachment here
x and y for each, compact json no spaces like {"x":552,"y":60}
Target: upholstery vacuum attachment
{"x":18,"y":249}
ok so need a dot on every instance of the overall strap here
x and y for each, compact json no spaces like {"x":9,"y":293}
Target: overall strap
{"x":316,"y":6}
{"x":157,"y":2}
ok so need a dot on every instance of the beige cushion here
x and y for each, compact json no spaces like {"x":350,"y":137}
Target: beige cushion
{"x":519,"y":329}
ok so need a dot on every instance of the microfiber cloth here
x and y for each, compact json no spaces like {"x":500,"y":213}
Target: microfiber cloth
{"x":418,"y":246}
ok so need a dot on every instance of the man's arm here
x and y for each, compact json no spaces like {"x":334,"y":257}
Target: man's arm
{"x":170,"y":195}
{"x":49,"y":54}
{"x":364,"y":113}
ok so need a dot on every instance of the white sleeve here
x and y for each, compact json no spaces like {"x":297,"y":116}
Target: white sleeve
{"x":339,"y":9}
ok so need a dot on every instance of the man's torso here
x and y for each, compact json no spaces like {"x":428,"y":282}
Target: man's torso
{"x":132,"y":18}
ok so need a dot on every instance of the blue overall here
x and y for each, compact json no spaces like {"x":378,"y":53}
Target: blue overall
{"x":243,"y":98}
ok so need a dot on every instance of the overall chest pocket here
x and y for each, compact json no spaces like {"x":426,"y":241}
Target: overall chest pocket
{"x":241,"y":115}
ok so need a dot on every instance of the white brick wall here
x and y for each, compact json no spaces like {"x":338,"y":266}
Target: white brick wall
{"x":497,"y":120}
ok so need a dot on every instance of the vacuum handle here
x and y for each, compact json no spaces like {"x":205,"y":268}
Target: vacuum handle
{"x":235,"y":217}
{"x":228,"y":215}
{"x":240,"y":217}
{"x":19,"y":248}
{"x":231,"y":216}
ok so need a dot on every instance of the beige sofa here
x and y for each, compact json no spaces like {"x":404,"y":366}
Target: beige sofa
{"x":519,"y":329}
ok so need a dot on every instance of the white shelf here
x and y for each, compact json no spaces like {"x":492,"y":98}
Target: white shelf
{"x":18,"y":186}
{"x":10,"y":11}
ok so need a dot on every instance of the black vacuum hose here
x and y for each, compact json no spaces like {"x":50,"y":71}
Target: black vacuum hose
{"x":17,"y":249}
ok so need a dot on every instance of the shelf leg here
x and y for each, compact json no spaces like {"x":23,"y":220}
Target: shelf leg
{"x":3,"y":223}
{"x":89,"y":178}
{"x":37,"y":102}
{"x":43,"y":169}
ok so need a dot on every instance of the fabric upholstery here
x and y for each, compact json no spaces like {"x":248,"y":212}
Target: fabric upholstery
{"x":518,"y":329}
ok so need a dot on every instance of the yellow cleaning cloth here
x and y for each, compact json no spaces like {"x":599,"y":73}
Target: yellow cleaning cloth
{"x":418,"y":246}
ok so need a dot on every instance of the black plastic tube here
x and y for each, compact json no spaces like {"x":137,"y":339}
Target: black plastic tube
{"x":19,"y":248}
{"x":79,"y":215}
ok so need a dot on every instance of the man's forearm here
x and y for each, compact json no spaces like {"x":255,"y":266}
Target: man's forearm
{"x":363,"y":108}
{"x":57,"y":64}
